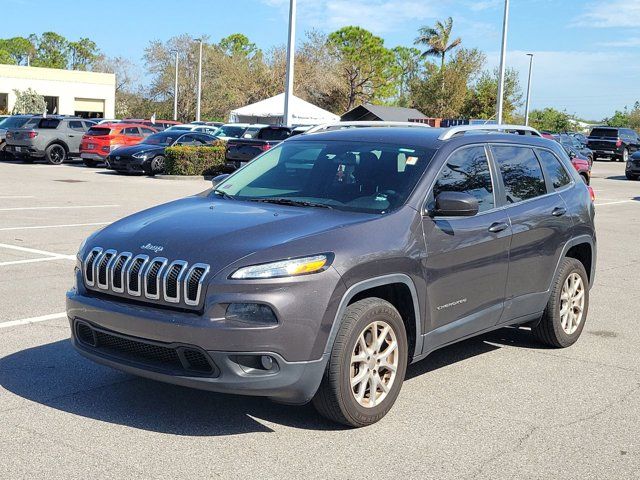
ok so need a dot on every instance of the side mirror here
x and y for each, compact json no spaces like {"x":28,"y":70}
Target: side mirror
{"x":455,"y":204}
{"x":217,"y":180}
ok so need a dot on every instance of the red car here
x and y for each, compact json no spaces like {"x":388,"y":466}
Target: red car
{"x":102,"y":139}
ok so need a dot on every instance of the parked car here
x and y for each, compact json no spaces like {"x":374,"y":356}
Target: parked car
{"x":190,"y":127}
{"x":104,"y":138}
{"x":569,"y":140}
{"x":231,"y":130}
{"x":323,"y":268}
{"x":148,"y":156}
{"x":159,"y":125}
{"x":613,"y":143}
{"x":581,"y":137}
{"x":14,"y":121}
{"x":255,"y":140}
{"x":632,"y":169}
{"x":53,"y":138}
{"x":581,"y":164}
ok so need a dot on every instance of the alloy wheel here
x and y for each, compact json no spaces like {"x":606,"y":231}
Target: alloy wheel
{"x":57,"y":155}
{"x":572,"y":303}
{"x":374,"y":363}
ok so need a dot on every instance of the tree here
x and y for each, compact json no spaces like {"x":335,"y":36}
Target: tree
{"x":51,"y":50}
{"x":552,"y":120}
{"x":28,"y":102}
{"x":16,"y":49}
{"x":365,"y":64}
{"x":437,"y":39}
{"x":84,"y":54}
{"x":482,"y":98}
{"x":427,"y":93}
{"x":408,"y":66}
{"x":238,"y":44}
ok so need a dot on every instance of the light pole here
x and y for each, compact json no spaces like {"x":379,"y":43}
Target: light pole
{"x":175,"y":92}
{"x":505,"y":27}
{"x":526,"y":108}
{"x":291,"y":52}
{"x":199,"y":83}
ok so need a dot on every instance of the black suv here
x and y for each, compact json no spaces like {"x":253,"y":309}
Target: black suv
{"x":613,"y":143}
{"x":324,"y":267}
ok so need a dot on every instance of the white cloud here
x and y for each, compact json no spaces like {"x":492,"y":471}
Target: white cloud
{"x":612,"y":13}
{"x":628,"y":42}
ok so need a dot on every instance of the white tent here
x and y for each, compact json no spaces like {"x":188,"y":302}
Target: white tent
{"x":271,"y":112}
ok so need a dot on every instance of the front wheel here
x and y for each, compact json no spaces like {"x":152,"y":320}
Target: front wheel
{"x":366,"y":369}
{"x":55,"y":154}
{"x":157,"y":165}
{"x":566,"y":311}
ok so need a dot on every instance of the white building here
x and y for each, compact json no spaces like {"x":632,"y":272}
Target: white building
{"x":67,"y":92}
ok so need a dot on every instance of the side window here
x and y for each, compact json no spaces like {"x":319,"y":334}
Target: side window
{"x":467,"y":171}
{"x":146,"y":132}
{"x":554,"y":169}
{"x":88,"y":125}
{"x":521,"y":172}
{"x":186,"y":140}
{"x":131,"y":132}
{"x":76,"y":125}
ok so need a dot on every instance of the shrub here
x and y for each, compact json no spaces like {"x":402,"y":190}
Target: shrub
{"x":186,"y":160}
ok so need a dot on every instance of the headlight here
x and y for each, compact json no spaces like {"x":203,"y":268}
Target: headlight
{"x":141,"y":155}
{"x":284,"y":268}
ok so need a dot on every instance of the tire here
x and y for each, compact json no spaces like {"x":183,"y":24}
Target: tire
{"x":554,"y":329}
{"x":55,"y":154}
{"x":624,"y":157}
{"x":336,"y":398}
{"x":89,"y":163}
{"x":585,"y":178}
{"x":156,"y":165}
{"x":631,"y":176}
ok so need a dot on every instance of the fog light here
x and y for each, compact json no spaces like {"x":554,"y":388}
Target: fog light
{"x":253,"y":313}
{"x":267,"y":362}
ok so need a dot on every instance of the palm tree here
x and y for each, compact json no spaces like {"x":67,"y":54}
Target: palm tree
{"x":437,"y":39}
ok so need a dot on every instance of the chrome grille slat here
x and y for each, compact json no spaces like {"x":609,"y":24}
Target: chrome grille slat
{"x":152,"y":278}
{"x":157,"y":278}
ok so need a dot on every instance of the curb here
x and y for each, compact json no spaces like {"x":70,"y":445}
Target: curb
{"x":183,"y":177}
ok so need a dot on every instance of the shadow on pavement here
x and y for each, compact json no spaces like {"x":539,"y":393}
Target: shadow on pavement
{"x":56,"y":376}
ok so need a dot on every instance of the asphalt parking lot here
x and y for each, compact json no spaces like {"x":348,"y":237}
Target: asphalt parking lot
{"x":498,"y":406}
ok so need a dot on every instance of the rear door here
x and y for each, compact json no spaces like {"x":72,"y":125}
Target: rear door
{"x":74,"y":130}
{"x":540,"y":227}
{"x":132,"y":135}
{"x":467,"y":259}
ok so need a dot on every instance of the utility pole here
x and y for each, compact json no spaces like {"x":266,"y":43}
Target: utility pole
{"x":526,"y":108}
{"x":291,"y":53}
{"x":199,"y":83}
{"x":505,"y":27}
{"x":175,"y":92}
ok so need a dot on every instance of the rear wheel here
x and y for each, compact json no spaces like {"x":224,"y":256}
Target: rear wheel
{"x":625,"y":156}
{"x":367,"y":365}
{"x":566,"y":311}
{"x":55,"y":154}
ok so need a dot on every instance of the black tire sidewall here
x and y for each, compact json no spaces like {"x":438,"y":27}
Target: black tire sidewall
{"x":50,"y":149}
{"x":356,"y":413}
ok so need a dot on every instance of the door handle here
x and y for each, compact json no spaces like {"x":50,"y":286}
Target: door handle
{"x":498,"y":227}
{"x":559,"y":211}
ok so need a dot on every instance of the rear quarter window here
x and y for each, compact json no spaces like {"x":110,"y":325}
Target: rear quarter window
{"x":521,"y":172}
{"x":554,"y":169}
{"x":49,"y":123}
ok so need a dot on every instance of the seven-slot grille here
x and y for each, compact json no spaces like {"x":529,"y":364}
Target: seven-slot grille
{"x":141,"y":276}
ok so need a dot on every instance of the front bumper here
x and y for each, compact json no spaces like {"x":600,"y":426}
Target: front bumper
{"x":633,"y":167}
{"x":126,"y":164}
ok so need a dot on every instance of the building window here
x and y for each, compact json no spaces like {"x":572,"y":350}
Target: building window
{"x":52,"y":105}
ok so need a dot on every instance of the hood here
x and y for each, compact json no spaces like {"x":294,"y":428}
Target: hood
{"x":139,"y":148}
{"x":216,"y":231}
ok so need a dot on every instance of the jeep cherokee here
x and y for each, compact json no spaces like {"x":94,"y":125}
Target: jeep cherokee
{"x":323,"y":268}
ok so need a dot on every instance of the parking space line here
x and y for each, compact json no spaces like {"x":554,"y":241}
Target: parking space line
{"x":9,"y":197}
{"x":64,"y":207}
{"x":36,"y":251}
{"x":27,"y":321}
{"x":32,"y":260}
{"x":614,"y":203}
{"x":36,"y":227}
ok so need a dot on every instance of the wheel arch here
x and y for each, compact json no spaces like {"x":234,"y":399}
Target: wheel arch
{"x":399,"y":290}
{"x":57,"y":141}
{"x":583,"y":249}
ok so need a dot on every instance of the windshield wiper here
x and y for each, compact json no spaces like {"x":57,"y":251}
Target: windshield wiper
{"x":291,"y":202}
{"x":224,"y":194}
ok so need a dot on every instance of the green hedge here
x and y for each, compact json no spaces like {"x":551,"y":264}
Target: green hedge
{"x":184,"y":160}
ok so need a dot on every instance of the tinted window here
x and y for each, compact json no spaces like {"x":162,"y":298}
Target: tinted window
{"x":13,"y":122}
{"x":99,"y":131}
{"x":162,"y":139}
{"x":521,"y":172}
{"x":231,"y":131}
{"x":604,"y":132}
{"x":467,"y":171}
{"x":275,"y":134}
{"x":131,"y":131}
{"x":188,"y":140}
{"x":147,"y":131}
{"x":76,"y":125}
{"x":554,"y":169}
{"x":49,"y":123}
{"x":355,"y":176}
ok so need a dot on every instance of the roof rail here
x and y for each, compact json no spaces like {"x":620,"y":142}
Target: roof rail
{"x":361,"y":124}
{"x":461,"y":129}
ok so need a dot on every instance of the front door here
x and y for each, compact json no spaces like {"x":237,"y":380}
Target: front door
{"x":467,"y":258}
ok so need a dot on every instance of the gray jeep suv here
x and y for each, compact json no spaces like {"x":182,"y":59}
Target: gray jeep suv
{"x":324,"y":267}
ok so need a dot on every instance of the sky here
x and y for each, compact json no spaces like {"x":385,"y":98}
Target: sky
{"x":586,"y":53}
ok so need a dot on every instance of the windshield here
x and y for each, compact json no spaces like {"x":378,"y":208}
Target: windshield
{"x":164,"y":139}
{"x":353,"y":176}
{"x":13,"y":122}
{"x":230,"y":131}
